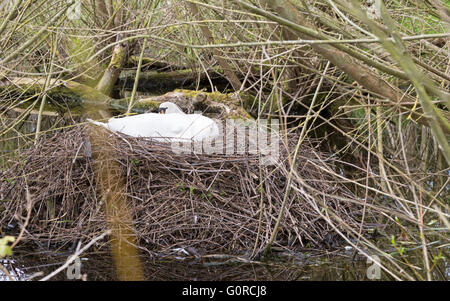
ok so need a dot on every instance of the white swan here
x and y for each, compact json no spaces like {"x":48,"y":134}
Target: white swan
{"x":171,"y":122}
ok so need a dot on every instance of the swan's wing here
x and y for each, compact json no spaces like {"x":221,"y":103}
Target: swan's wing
{"x":176,"y":125}
{"x":202,"y":127}
{"x":143,"y":125}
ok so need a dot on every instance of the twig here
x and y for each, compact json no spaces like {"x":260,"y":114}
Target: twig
{"x":75,"y":256}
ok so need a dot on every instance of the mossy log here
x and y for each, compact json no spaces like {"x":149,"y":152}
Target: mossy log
{"x":112,"y":73}
{"x":225,"y":105}
{"x":151,"y":64}
{"x":79,"y":98}
{"x":166,"y":81}
{"x":70,"y":93}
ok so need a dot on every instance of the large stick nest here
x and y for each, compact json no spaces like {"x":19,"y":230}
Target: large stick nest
{"x":210,"y":203}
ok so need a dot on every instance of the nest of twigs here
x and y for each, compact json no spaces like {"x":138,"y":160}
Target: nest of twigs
{"x":211,"y":203}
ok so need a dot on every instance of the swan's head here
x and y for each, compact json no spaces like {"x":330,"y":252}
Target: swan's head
{"x":169,"y":108}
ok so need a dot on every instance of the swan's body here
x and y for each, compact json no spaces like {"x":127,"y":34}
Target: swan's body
{"x":173,"y":124}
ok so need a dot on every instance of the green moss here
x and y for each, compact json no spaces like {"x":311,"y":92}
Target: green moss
{"x":87,"y":93}
{"x":213,"y":96}
{"x":158,"y":76}
{"x":147,"y":104}
{"x":229,"y":99}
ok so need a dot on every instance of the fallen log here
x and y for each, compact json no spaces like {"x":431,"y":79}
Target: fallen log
{"x":151,"y":64}
{"x":225,"y":105}
{"x":166,"y":81}
{"x":79,"y":97}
